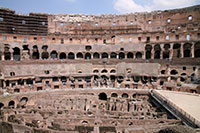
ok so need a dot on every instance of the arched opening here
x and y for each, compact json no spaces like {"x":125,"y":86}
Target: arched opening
{"x":124,"y":95}
{"x":183,"y":77}
{"x":35,"y":54}
{"x":87,"y":56}
{"x":176,"y":51}
{"x":197,"y":50}
{"x":16,"y":54}
{"x":121,"y":55}
{"x":16,"y":90}
{"x":7,"y":54}
{"x":54,"y":54}
{"x":25,"y":52}
{"x":120,"y":79}
{"x":96,"y":71}
{"x":71,"y":56}
{"x":63,"y":56}
{"x":173,"y":72}
{"x":192,"y":77}
{"x":45,"y":55}
{"x":102,"y":96}
{"x":166,"y":51}
{"x":157,"y":51}
{"x":24,"y":99}
{"x":138,"y":55}
{"x":130,"y":55}
{"x":113,"y":55}
{"x":11,"y":104}
{"x":148,"y":49}
{"x":104,"y":71}
{"x":113,"y":71}
{"x":114,"y":95}
{"x":1,"y":105}
{"x":187,"y":50}
{"x":136,"y":78}
{"x":104,"y":55}
{"x":79,"y":55}
{"x":96,"y":56}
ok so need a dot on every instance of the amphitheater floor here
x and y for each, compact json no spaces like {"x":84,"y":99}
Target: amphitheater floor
{"x":190,"y":103}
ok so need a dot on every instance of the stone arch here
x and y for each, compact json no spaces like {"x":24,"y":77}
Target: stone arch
{"x":187,"y":50}
{"x":113,"y":71}
{"x":113,"y":55}
{"x":87,"y":56}
{"x":102,"y":96}
{"x":79,"y":55}
{"x":25,"y":99}
{"x":1,"y":105}
{"x":104,"y":71}
{"x":35,"y":54}
{"x":121,"y":55}
{"x":112,"y":78}
{"x":148,"y":49}
{"x":176,"y":50}
{"x":7,"y":54}
{"x":104,"y":55}
{"x":25,"y":52}
{"x":125,"y":95}
{"x":166,"y":51}
{"x":54,"y":54}
{"x":95,"y":71}
{"x":45,"y":55}
{"x":183,"y":77}
{"x":11,"y":104}
{"x":157,"y":51}
{"x":197,"y":50}
{"x":173,"y":72}
{"x":120,"y":79}
{"x":63,"y":56}
{"x":138,"y":55}
{"x":96,"y":55}
{"x":71,"y":56}
{"x":130,"y":55}
{"x":16,"y":54}
{"x":114,"y":95}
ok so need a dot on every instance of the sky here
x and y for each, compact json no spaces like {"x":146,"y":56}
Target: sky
{"x":93,"y":6}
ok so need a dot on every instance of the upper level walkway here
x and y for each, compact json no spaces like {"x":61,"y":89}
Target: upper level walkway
{"x":184,"y":105}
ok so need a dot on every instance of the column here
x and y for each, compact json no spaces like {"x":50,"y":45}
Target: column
{"x":182,"y":51}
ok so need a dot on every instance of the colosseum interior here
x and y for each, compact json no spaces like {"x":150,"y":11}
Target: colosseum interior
{"x":94,"y":73}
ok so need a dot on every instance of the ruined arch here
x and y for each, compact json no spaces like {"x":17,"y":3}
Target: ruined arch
{"x":187,"y":50}
{"x":7,"y":54}
{"x":16,"y":54}
{"x":79,"y":55}
{"x":102,"y":96}
{"x":166,"y":51}
{"x":45,"y":55}
{"x":113,"y":55}
{"x":112,"y":78}
{"x":11,"y":104}
{"x":130,"y":55}
{"x":197,"y":50}
{"x":113,"y":71}
{"x":183,"y":77}
{"x":87,"y":56}
{"x":54,"y":54}
{"x":71,"y":56}
{"x":114,"y":95}
{"x":1,"y":105}
{"x":148,"y":49}
{"x":96,"y":55}
{"x":125,"y":95}
{"x":138,"y":55}
{"x":157,"y":51}
{"x":63,"y":56}
{"x":104,"y":55}
{"x":35,"y":54}
{"x":121,"y":55}
{"x":176,"y":50}
{"x":173,"y":72}
{"x":104,"y":71}
{"x":95,"y":71}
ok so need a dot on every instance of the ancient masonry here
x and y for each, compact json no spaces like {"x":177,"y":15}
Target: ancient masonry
{"x":93,"y":73}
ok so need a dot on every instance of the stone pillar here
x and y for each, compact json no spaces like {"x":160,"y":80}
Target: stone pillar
{"x":192,"y":49}
{"x":182,"y":51}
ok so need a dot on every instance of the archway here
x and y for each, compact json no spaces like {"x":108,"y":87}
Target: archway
{"x":87,"y":56}
{"x":104,"y":55}
{"x":121,"y":55}
{"x":166,"y":51}
{"x":16,"y":54}
{"x":35,"y":54}
{"x":148,"y":49}
{"x":173,"y":72}
{"x":11,"y":104}
{"x":54,"y":54}
{"x":45,"y":55}
{"x":176,"y":51}
{"x":130,"y":55}
{"x":102,"y":96}
{"x":71,"y":56}
{"x":79,"y":55}
{"x":157,"y":51}
{"x":63,"y":56}
{"x":114,"y":95}
{"x":138,"y":55}
{"x":124,"y":95}
{"x":187,"y":50}
{"x":197,"y":50}
{"x":7,"y":54}
{"x":96,"y":55}
{"x":113,"y":55}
